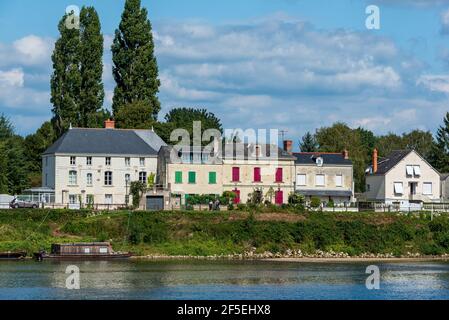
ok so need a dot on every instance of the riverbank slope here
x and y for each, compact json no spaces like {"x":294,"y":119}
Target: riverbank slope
{"x":237,"y":235}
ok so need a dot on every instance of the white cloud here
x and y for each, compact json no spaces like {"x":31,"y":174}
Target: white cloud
{"x":11,"y":78}
{"x":33,"y":49}
{"x":438,"y":83}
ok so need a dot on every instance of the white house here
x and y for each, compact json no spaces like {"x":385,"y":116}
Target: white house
{"x":97,"y":166}
{"x":403,"y":178}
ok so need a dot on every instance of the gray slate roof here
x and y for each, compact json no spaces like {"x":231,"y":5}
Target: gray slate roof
{"x":386,"y":164}
{"x":107,"y":141}
{"x":248,"y":151}
{"x":328,"y":158}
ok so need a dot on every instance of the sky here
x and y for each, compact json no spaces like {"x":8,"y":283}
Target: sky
{"x":293,"y":65}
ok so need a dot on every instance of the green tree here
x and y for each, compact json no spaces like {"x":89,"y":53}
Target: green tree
{"x":439,"y":156}
{"x":135,"y":68}
{"x":308,"y":143}
{"x":388,"y":143}
{"x":339,"y":137}
{"x":3,"y":168}
{"x":91,"y":68}
{"x":136,"y":115}
{"x":183,"y":118}
{"x":66,"y":78}
{"x":421,"y":141}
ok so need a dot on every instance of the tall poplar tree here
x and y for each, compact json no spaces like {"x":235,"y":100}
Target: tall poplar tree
{"x":135,"y":68}
{"x":91,"y":68}
{"x":308,"y":143}
{"x":66,"y":79}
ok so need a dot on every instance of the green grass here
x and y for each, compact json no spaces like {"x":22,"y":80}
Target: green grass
{"x":205,"y":233}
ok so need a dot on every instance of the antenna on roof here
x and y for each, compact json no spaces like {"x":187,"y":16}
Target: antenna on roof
{"x":282,"y":134}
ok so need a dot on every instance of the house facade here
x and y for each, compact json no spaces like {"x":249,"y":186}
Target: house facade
{"x":97,"y":166}
{"x":327,"y":176}
{"x":403,"y":178}
{"x":264,"y":168}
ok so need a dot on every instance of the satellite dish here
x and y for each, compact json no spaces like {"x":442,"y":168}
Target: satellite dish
{"x":319,"y":161}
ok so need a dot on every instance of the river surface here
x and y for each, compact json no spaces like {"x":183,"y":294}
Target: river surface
{"x":229,"y":280}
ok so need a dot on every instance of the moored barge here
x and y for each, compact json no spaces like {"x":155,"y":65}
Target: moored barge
{"x":81,"y":251}
{"x":12,"y":255}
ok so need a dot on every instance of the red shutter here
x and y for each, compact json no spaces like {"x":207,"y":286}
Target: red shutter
{"x":237,"y":196}
{"x":257,"y":177}
{"x":279,"y":197}
{"x":279,"y":177}
{"x":235,"y":174}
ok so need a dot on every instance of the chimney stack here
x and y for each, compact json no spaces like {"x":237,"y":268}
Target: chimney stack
{"x":288,"y":146}
{"x":346,"y":154}
{"x":375,"y":155}
{"x":109,"y":124}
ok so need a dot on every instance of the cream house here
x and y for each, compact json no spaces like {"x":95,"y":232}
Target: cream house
{"x":327,"y":176}
{"x":188,"y":173}
{"x":263,"y":168}
{"x":403,"y":178}
{"x":97,"y":166}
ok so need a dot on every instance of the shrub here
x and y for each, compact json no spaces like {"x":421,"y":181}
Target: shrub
{"x":315,"y":202}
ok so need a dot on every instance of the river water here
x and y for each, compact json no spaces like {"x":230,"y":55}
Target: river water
{"x":228,"y":280}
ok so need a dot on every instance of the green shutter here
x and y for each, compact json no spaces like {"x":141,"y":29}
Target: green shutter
{"x":178,"y":177}
{"x":192,"y":177}
{"x":212,"y":177}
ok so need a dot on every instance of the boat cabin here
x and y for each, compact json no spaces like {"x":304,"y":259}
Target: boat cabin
{"x":95,"y":248}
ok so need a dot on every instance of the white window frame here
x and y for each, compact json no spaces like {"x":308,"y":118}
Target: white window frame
{"x":73,"y":161}
{"x":88,"y":161}
{"x":409,"y":170}
{"x":142,"y":162}
{"x":127,"y":178}
{"x":127,"y":162}
{"x":103,"y":250}
{"x":324,"y":180}
{"x":339,"y":185}
{"x":73,"y":178}
{"x":108,"y":161}
{"x":299,"y":181}
{"x":417,"y":171}
{"x":108,"y":178}
{"x":398,"y":188}
{"x":427,"y":193}
{"x":108,"y":199}
{"x":73,"y":199}
{"x":89,"y":179}
{"x":145,"y":174}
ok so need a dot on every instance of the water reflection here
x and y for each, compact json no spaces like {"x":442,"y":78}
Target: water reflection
{"x":222,"y":280}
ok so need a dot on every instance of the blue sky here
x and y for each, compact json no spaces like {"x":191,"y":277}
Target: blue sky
{"x":294,"y":65}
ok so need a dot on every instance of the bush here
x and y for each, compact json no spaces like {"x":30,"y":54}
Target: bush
{"x":315,"y":202}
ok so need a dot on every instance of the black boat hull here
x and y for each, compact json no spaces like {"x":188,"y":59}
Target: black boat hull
{"x":78,"y":257}
{"x":12,"y":255}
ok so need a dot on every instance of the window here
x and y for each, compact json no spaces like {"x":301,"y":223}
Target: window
{"x":192,"y":177}
{"x":142,"y":162}
{"x":368,"y":187}
{"x":127,"y":178}
{"x":212,"y":177}
{"x":417,"y":170}
{"x":108,"y":199}
{"x":72,"y":178}
{"x":90,"y":199}
{"x":72,"y":161}
{"x":89,"y":179}
{"x":143,"y":177}
{"x":427,"y":188}
{"x":235,"y":174}
{"x":257,"y":176}
{"x":103,"y":250}
{"x":108,"y":178}
{"x":319,"y":180}
{"x":339,"y":180}
{"x":178,"y":177}
{"x":127,"y":162}
{"x":86,"y":250}
{"x":108,"y":161}
{"x":301,"y":179}
{"x":398,"y":188}
{"x":409,"y":170}
{"x":89,"y":161}
{"x":279,"y":175}
{"x":72,"y":198}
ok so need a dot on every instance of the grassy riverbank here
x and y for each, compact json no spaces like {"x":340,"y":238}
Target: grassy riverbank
{"x":225,"y":233}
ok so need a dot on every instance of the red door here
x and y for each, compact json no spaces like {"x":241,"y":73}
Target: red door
{"x":279,"y":197}
{"x":237,"y":196}
{"x":257,"y":176}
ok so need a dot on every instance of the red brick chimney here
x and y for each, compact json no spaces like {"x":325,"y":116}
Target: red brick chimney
{"x":375,"y":155}
{"x":288,"y":146}
{"x":109,"y":124}
{"x":346,"y":154}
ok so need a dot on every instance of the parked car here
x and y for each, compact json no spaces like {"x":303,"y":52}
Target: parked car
{"x":16,"y":204}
